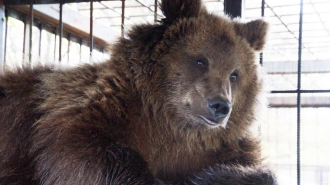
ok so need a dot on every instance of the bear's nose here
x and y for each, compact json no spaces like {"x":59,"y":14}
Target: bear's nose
{"x":218,"y":108}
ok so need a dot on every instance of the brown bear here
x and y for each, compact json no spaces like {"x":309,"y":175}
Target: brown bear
{"x":173,"y":105}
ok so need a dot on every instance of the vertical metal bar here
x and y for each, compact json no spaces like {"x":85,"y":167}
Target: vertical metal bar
{"x":155,"y":13}
{"x":80,"y":47}
{"x":24,"y":39}
{"x":55,"y":35}
{"x":69,"y":43}
{"x":30,"y":36}
{"x":40,"y":37}
{"x":262,"y":8}
{"x":2,"y":39}
{"x":299,"y":92}
{"x":91,"y":38}
{"x":261,"y":57}
{"x":122,"y":17}
{"x":6,"y":37}
{"x":61,"y":32}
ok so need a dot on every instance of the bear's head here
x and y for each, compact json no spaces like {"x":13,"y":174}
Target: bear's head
{"x":199,"y":69}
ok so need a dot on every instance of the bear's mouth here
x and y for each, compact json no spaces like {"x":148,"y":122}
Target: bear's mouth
{"x":209,"y":121}
{"x":212,"y":123}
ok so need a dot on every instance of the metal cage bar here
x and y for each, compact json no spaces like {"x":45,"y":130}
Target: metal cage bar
{"x":299,"y":93}
{"x":30,"y":34}
{"x":24,"y":39}
{"x":69,"y":44}
{"x":80,"y":49}
{"x":91,"y":38}
{"x":55,"y":35}
{"x":60,"y":33}
{"x":40,"y":37}
{"x":122,"y":18}
{"x":155,"y":11}
{"x":6,"y":37}
{"x":261,"y":55}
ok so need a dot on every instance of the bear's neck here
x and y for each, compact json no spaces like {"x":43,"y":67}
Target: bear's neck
{"x":169,"y":153}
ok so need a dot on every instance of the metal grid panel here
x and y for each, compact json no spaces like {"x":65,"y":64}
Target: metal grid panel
{"x":284,"y":31}
{"x":281,"y":50}
{"x":109,"y":14}
{"x":297,"y":57}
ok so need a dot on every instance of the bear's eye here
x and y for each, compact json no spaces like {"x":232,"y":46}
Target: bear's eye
{"x":202,"y":64}
{"x":233,"y":77}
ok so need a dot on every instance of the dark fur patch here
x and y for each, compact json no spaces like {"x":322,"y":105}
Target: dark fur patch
{"x":179,"y":9}
{"x":2,"y":92}
{"x":254,"y":32}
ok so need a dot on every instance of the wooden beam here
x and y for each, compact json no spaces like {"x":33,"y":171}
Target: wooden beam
{"x":73,"y":22}
{"x":306,"y":101}
{"x":290,"y":67}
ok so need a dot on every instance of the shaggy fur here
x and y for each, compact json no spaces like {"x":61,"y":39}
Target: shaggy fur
{"x":144,"y":116}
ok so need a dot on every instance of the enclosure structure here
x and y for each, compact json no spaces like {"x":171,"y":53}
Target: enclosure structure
{"x":296,"y":60}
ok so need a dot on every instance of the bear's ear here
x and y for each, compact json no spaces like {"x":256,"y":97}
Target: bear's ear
{"x":176,"y":9}
{"x":254,"y":32}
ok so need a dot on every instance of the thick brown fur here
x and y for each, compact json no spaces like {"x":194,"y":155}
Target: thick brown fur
{"x":136,"y":119}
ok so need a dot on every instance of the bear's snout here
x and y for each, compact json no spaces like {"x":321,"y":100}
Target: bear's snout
{"x":218,"y":108}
